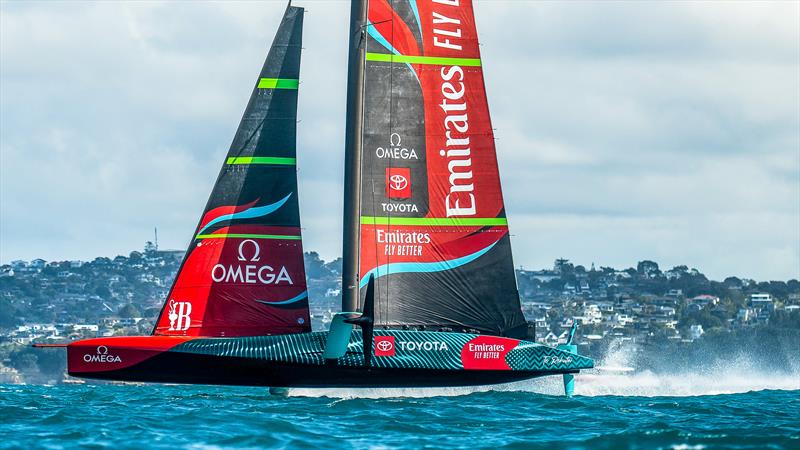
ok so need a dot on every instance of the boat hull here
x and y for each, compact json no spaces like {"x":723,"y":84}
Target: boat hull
{"x":203,"y":369}
{"x":414,"y":359}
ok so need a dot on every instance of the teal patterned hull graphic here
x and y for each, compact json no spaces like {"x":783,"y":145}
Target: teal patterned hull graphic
{"x":409,"y":350}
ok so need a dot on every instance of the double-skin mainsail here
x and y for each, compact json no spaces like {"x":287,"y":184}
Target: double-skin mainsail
{"x":243,"y":273}
{"x":433,"y":230}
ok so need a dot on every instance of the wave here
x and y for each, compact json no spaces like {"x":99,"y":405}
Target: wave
{"x":592,"y":384}
{"x":716,"y":374}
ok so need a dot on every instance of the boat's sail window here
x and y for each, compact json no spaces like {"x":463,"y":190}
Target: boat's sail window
{"x":243,"y":273}
{"x":433,"y":225}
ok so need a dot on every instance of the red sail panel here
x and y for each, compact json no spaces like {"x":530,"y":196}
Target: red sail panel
{"x":433,"y":228}
{"x":243,"y":274}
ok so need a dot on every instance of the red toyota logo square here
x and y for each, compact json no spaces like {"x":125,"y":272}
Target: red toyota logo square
{"x":384,"y":345}
{"x":398,"y":182}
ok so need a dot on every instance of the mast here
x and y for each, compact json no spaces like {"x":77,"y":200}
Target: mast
{"x":352,"y":156}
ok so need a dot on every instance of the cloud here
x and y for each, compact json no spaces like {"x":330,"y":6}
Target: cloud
{"x":665,"y":131}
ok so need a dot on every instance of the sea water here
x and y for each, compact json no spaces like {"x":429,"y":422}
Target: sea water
{"x":643,"y":410}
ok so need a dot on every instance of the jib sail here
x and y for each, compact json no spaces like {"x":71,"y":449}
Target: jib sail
{"x":243,"y":274}
{"x":433,"y":225}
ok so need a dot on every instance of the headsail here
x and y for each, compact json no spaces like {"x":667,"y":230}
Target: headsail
{"x":243,"y":274}
{"x":433,"y":227}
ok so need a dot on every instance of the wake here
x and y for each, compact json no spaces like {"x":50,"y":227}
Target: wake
{"x":649,"y":384}
{"x":616,"y":374}
{"x":593,"y":384}
{"x":738,"y":374}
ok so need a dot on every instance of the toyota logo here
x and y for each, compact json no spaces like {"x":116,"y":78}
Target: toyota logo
{"x":398,"y":182}
{"x":384,"y":346}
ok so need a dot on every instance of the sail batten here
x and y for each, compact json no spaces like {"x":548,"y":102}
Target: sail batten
{"x":278,"y":83}
{"x":243,"y":274}
{"x":274,"y":160}
{"x":433,"y":230}
{"x":435,"y":221}
{"x":428,"y":60}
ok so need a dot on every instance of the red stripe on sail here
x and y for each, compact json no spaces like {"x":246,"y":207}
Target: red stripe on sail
{"x":222,"y":210}
{"x":392,"y":27}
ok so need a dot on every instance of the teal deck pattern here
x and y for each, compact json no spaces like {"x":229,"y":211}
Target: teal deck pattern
{"x":413,"y":349}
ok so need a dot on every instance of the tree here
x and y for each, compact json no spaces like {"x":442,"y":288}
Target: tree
{"x":103,"y":292}
{"x":784,"y":319}
{"x":647,"y":268}
{"x":732,"y":282}
{"x":556,"y":284}
{"x":8,"y":314}
{"x":51,"y":361}
{"x":335,"y":266}
{"x":315,"y":266}
{"x":23,"y":360}
{"x":563,"y":266}
{"x":129,"y":311}
{"x":101,"y":261}
{"x":703,"y":317}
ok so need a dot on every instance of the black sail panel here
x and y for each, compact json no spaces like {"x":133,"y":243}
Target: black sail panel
{"x":243,"y":274}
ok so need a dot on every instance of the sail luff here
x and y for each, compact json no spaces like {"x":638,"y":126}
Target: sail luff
{"x":353,"y":151}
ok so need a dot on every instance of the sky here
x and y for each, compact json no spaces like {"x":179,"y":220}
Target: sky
{"x":625,"y":131}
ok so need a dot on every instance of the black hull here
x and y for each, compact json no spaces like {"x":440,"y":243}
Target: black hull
{"x":183,"y":368}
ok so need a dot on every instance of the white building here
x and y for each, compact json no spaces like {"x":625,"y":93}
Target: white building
{"x":744,"y":315}
{"x":761,"y":299}
{"x":591,"y":315}
{"x":705,"y":299}
{"x":622,"y":319}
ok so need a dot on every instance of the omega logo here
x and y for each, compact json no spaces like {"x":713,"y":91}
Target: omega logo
{"x":256,"y":247}
{"x":101,"y":356}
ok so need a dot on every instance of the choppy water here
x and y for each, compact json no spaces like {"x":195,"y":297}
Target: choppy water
{"x":610,"y":412}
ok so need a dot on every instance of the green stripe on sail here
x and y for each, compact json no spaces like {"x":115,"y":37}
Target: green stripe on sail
{"x":435,"y":60}
{"x":248,"y":236}
{"x":278,"y":83}
{"x":436,"y":221}
{"x":262,"y":160}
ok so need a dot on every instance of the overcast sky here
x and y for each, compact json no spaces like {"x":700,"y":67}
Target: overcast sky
{"x":626,"y":131}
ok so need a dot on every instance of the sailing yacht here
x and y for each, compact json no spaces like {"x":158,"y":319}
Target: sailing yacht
{"x":429,"y":291}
